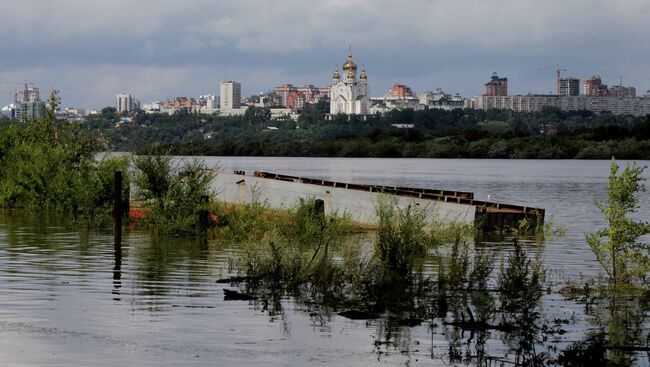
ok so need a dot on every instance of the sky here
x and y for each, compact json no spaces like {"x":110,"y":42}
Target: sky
{"x":156,"y":49}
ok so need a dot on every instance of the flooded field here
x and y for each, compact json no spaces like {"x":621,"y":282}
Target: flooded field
{"x":69,"y":299}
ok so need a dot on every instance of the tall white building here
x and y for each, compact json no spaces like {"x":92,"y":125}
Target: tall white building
{"x":348,"y":95}
{"x":125,"y":102}
{"x":230,"y":95}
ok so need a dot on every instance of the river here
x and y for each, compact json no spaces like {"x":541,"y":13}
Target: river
{"x":68,"y":300}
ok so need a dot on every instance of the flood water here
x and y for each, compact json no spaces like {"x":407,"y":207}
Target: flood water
{"x":68,"y":299}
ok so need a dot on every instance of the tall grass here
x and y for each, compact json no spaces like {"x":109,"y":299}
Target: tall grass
{"x":174,"y":193}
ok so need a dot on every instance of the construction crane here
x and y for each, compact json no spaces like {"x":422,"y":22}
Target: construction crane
{"x":558,"y":69}
{"x":13,"y":88}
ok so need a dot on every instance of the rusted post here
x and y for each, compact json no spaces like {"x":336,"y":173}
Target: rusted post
{"x":204,"y":215}
{"x":117,"y":209}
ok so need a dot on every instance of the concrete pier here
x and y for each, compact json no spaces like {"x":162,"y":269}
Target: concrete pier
{"x":357,"y":203}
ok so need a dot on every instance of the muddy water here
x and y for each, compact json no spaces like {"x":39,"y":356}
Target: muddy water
{"x":68,"y":300}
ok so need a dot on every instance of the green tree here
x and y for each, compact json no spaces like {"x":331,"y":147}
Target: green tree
{"x":109,"y":113}
{"x":257,"y":115}
{"x":618,"y":248}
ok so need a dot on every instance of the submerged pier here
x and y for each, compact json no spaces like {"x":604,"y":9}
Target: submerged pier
{"x":359,"y":201}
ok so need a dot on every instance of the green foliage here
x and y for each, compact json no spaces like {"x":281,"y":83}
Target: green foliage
{"x":618,"y":248}
{"x":48,"y":166}
{"x":521,"y":285}
{"x":274,"y":261}
{"x":95,"y":190}
{"x":287,"y":246}
{"x":437,"y":134}
{"x":174,"y":193}
{"x":401,"y":237}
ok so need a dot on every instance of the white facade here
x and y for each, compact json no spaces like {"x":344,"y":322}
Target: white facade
{"x":230,"y":95}
{"x":348,"y":95}
{"x":639,"y":106}
{"x":125,"y":102}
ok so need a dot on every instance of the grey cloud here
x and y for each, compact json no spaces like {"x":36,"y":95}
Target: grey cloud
{"x":93,"y":49}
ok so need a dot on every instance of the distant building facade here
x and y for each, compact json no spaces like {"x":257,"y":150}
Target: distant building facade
{"x":621,"y":91}
{"x":639,"y":106}
{"x":230,"y":95}
{"x":569,"y":87}
{"x":348,"y":95}
{"x":594,"y":87}
{"x":295,"y":100}
{"x":496,"y":86}
{"x":296,"y":97}
{"x":27,"y":104}
{"x":125,"y":102}
{"x":400,"y":91}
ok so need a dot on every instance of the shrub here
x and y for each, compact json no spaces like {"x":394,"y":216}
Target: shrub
{"x":622,"y":255}
{"x":174,"y":193}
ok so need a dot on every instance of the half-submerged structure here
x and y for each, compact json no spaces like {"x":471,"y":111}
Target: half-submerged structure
{"x":359,"y":201}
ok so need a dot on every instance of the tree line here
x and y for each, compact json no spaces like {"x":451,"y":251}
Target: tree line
{"x":431,"y":133}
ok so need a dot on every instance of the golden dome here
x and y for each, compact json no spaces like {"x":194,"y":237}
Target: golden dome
{"x":350,"y":65}
{"x":363,"y":75}
{"x":350,"y":74}
{"x":336,"y":75}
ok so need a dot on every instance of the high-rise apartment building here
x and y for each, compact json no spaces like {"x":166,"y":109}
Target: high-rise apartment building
{"x":594,"y":87}
{"x":230,"y":95}
{"x":569,"y":87}
{"x":496,"y":86}
{"x":125,"y":102}
{"x":621,"y":91}
{"x":28,"y":104}
{"x":284,"y":91}
{"x":400,"y":91}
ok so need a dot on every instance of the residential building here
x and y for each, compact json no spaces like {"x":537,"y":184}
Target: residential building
{"x":125,"y":102}
{"x":27,"y":104}
{"x":153,"y":107}
{"x":400,"y":91}
{"x":269,"y":99}
{"x":183,"y":102}
{"x":399,"y":96}
{"x":621,"y":91}
{"x":296,"y":100}
{"x":31,"y":110}
{"x":230,"y":95}
{"x":496,"y":86}
{"x":348,"y":95}
{"x":29,"y":94}
{"x":638,"y":106}
{"x":594,"y":87}
{"x":569,"y":87}
{"x":283,"y":91}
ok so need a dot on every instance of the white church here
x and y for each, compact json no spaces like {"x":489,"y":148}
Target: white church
{"x":348,"y":95}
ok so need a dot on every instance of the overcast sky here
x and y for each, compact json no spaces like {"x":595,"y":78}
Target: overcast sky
{"x":92,"y":49}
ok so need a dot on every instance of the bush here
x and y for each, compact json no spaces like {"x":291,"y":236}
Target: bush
{"x":173,"y":193}
{"x":624,"y":258}
{"x":50,"y":167}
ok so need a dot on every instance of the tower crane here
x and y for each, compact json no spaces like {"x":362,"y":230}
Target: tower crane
{"x":558,"y":70}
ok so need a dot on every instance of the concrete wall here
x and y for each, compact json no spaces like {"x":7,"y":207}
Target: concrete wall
{"x":360,"y":205}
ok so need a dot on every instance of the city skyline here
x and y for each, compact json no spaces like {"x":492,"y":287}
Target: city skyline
{"x":91,"y":51}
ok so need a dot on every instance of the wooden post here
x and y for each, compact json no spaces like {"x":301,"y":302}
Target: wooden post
{"x":319,"y":208}
{"x":117,"y":210}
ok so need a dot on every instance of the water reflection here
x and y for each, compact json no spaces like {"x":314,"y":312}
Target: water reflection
{"x":56,"y":305}
{"x":117,"y":271}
